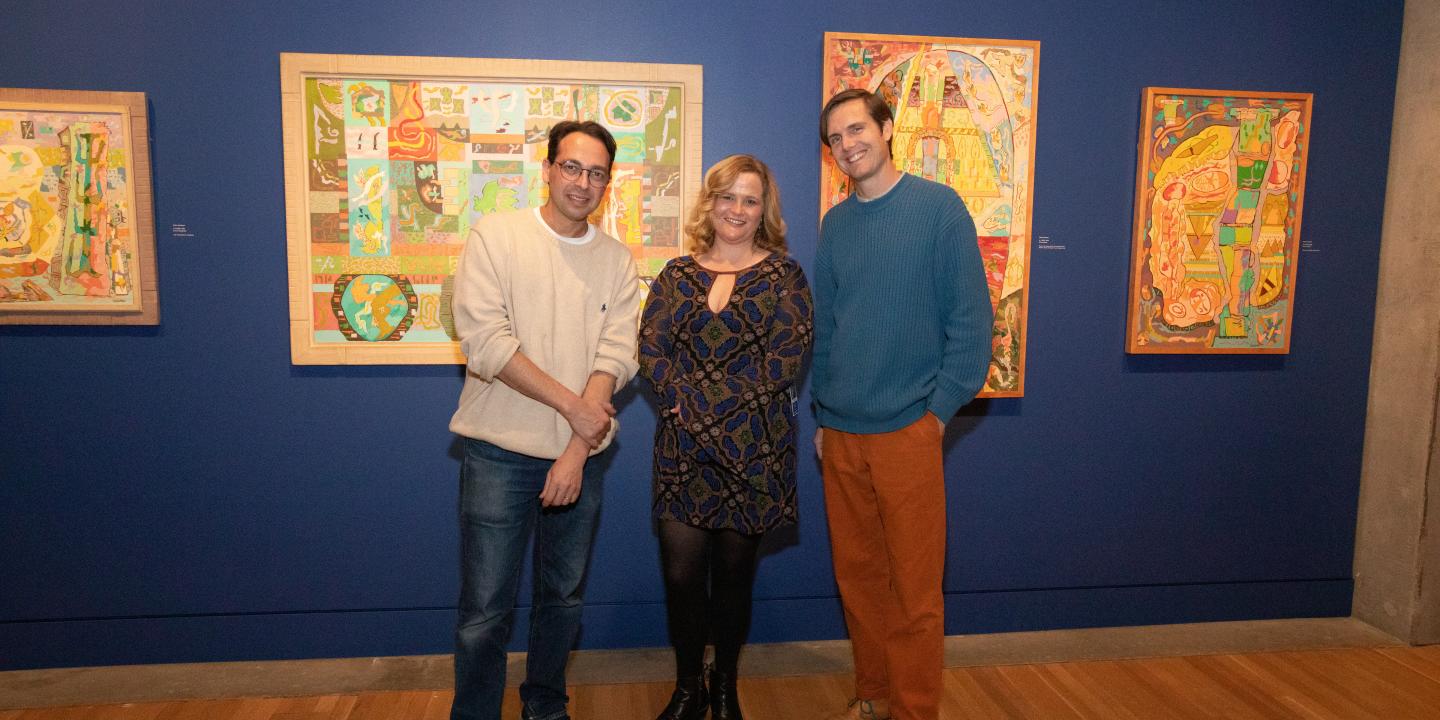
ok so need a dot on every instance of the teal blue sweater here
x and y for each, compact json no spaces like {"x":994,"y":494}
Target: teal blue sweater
{"x":902,"y":314}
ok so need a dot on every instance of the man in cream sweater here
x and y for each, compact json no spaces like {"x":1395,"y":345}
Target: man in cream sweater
{"x":546,"y":308}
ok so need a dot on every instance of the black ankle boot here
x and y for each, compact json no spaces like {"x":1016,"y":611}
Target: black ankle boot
{"x":688,"y":702}
{"x":724,"y":700}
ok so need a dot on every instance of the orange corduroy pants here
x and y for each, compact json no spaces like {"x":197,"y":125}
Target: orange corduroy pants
{"x":885,"y":499}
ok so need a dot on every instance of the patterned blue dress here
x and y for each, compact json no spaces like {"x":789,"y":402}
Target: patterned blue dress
{"x":727,"y":461}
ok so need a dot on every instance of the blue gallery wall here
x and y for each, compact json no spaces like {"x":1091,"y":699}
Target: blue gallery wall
{"x":184,"y":493}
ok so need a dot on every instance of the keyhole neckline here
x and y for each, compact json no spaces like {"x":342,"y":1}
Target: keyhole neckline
{"x":737,"y":271}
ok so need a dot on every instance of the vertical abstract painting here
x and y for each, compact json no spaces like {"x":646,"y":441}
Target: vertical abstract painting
{"x":77,"y":237}
{"x":389,"y":161}
{"x":1218,"y":195}
{"x":964,"y":117}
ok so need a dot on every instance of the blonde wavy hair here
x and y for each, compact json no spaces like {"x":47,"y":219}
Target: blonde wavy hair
{"x":771,"y":233}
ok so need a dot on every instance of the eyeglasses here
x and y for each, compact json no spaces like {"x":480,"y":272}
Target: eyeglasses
{"x":573,"y":170}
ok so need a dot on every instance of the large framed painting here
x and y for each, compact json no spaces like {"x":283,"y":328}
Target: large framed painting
{"x":1218,"y":194}
{"x":965,"y":117}
{"x":389,"y":160}
{"x":77,"y":230}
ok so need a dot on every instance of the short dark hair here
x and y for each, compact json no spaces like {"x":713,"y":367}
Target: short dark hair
{"x":589,"y":127}
{"x":875,"y":105}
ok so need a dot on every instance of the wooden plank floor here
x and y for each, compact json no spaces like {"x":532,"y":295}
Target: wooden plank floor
{"x":1393,"y":683}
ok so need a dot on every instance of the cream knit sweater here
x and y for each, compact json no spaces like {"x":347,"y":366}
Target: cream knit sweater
{"x":571,"y":308}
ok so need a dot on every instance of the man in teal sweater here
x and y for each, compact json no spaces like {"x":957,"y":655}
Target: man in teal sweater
{"x":902,"y":340}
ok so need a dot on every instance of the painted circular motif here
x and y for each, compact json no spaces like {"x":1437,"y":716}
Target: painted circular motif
{"x":372,"y":308}
{"x":625,"y":110}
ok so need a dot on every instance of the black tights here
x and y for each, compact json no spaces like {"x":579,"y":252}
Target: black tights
{"x":725,"y":558}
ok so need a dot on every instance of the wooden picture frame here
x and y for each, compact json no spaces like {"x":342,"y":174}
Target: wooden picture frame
{"x":388,"y":159}
{"x":77,"y":225}
{"x":1219,"y":189}
{"x":968,"y":122}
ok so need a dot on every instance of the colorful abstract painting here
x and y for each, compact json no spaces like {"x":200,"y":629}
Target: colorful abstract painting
{"x":1219,"y":189}
{"x":74,"y":245}
{"x":965,"y":117}
{"x":398,"y":157}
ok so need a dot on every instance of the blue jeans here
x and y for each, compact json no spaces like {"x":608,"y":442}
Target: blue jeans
{"x":499,"y":509}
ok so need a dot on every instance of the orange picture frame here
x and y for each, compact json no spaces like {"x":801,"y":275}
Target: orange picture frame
{"x":965,"y":117}
{"x":1219,"y":190}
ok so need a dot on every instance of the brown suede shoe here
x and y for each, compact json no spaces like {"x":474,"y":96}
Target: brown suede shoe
{"x":858,"y":709}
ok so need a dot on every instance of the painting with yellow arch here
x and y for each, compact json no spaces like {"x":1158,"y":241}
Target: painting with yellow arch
{"x":964,"y":117}
{"x":1219,"y":189}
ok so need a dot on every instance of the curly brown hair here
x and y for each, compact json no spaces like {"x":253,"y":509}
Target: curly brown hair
{"x":771,"y":233}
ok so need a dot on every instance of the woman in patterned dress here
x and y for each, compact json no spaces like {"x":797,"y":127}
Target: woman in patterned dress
{"x":722,"y":340}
